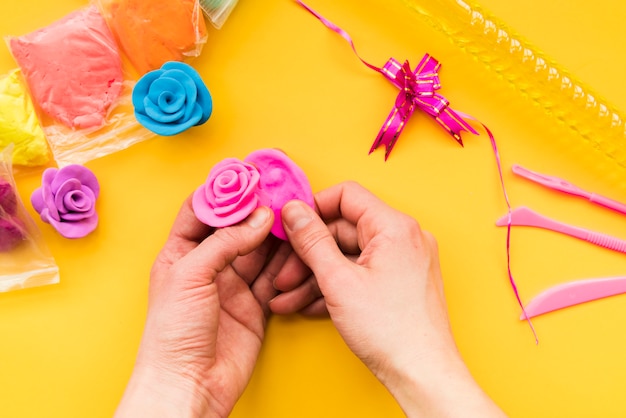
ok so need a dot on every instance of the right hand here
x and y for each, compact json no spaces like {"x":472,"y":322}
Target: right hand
{"x":377,"y":270}
{"x":377,"y":273}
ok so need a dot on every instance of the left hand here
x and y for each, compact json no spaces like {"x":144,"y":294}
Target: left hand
{"x":206,"y":318}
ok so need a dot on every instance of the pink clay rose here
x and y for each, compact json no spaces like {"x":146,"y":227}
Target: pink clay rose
{"x":229,"y":195}
{"x":235,"y":188}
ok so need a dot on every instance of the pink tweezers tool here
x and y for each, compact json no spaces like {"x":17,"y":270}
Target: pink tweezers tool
{"x":523,"y":216}
{"x":563,"y":186}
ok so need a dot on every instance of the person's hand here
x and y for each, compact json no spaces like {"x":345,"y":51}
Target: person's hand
{"x":206,"y":318}
{"x":377,"y":273}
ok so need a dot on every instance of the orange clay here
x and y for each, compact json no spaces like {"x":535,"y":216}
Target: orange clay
{"x":151,"y":33}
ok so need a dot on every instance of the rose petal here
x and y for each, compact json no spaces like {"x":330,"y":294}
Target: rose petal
{"x":205,"y":102}
{"x":230,"y":183}
{"x":249,"y":188}
{"x":154,"y":112}
{"x":191,"y":90}
{"x":170,"y":85}
{"x":226,"y":182}
{"x":77,"y":229}
{"x":77,"y":216}
{"x":78,"y":172}
{"x":141,"y":89}
{"x":81,"y":204}
{"x":165,"y":83}
{"x":203,"y":96}
{"x":228,"y":195}
{"x":246,"y":179}
{"x":70,"y":185}
{"x":45,"y":215}
{"x":228,"y":187}
{"x":224,"y":165}
{"x":207,"y":215}
{"x":47,"y":193}
{"x":150,"y":124}
{"x":169,"y":102}
{"x":241,"y":204}
{"x":36,"y":199}
{"x":195,"y":115}
{"x":78,"y":201}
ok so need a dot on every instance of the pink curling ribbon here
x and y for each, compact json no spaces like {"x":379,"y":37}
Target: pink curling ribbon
{"x":418,"y":90}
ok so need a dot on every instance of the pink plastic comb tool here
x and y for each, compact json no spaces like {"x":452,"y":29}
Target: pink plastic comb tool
{"x":523,"y":216}
{"x":563,"y":186}
{"x":574,"y":293}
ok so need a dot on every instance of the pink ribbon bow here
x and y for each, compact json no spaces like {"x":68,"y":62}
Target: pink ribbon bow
{"x":417,"y":91}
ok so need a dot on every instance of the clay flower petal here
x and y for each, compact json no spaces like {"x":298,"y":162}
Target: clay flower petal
{"x":77,"y":229}
{"x":75,"y":172}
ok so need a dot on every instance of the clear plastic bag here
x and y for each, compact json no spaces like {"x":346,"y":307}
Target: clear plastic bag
{"x":152,"y":33}
{"x":218,"y":10}
{"x":79,"y":86}
{"x":25,"y":260}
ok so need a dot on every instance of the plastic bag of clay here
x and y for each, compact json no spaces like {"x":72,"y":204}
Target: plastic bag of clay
{"x":79,"y":86}
{"x":218,"y":10}
{"x":151,"y":33}
{"x":19,"y":124}
{"x":25,"y":260}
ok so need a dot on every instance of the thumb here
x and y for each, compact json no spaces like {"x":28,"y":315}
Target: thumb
{"x":226,"y":244}
{"x":311,"y":240}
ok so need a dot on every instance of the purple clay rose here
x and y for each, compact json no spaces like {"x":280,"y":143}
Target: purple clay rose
{"x":229,"y":195}
{"x":67,"y":200}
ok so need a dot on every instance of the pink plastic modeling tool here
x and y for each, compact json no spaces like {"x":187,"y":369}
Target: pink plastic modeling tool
{"x":563,"y":186}
{"x":573,"y":293}
{"x":523,"y":216}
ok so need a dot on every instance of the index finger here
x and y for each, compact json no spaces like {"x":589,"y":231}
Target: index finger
{"x":359,"y":206}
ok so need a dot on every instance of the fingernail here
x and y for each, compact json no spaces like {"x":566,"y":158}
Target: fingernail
{"x":259,"y":217}
{"x":296,"y":216}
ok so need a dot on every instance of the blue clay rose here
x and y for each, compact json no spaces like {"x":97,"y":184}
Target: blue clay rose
{"x":67,"y":200}
{"x":172,"y":99}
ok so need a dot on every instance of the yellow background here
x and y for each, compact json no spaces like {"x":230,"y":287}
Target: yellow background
{"x":280,"y":79}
